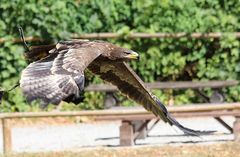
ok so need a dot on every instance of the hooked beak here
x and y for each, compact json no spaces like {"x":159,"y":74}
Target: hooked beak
{"x":133,"y":55}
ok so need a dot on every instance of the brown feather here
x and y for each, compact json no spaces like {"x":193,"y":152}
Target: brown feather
{"x":120,"y":74}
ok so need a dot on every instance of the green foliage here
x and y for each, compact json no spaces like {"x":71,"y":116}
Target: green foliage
{"x":161,"y":59}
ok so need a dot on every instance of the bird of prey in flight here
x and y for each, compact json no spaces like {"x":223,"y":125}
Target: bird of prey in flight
{"x":57,"y":74}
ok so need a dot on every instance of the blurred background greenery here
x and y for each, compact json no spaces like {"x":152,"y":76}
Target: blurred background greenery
{"x":161,"y":59}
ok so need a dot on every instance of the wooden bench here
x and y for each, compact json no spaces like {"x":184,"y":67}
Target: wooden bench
{"x":140,"y":126}
{"x":130,"y":129}
{"x":128,"y":115}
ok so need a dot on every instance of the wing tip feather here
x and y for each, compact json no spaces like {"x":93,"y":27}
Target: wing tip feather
{"x":186,"y":131}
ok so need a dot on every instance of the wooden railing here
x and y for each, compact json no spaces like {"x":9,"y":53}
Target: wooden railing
{"x":127,"y":116}
{"x":169,"y":85}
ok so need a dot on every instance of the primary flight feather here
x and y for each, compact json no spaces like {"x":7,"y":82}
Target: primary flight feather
{"x":57,"y":73}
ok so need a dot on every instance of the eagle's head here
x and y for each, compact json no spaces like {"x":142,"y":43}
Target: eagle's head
{"x":114,"y":52}
{"x":125,"y":54}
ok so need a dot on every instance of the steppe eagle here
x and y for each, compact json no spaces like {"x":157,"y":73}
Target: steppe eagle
{"x":60,"y":74}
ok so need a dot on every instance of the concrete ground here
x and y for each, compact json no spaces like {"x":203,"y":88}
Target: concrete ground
{"x":77,"y":136}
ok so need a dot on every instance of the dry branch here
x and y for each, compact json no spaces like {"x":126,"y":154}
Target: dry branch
{"x":134,"y":36}
{"x":155,"y":35}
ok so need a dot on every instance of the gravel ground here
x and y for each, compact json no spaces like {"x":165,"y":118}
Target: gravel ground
{"x":76,"y":136}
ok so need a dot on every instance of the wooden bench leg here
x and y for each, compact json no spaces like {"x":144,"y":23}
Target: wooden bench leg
{"x":126,"y":134}
{"x":7,"y":140}
{"x":236,"y":129}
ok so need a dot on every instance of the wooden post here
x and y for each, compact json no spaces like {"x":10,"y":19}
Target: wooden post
{"x":236,"y":129}
{"x":7,"y":138}
{"x":126,"y":134}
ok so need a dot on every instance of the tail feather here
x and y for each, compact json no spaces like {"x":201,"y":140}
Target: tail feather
{"x":38,"y":52}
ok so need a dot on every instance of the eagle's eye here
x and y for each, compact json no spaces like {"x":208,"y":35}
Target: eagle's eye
{"x":127,"y":52}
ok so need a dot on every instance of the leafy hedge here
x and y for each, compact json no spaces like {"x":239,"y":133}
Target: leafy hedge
{"x":161,"y":59}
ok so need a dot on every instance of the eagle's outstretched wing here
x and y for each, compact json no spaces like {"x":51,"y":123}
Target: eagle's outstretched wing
{"x":60,"y":74}
{"x":121,"y":75}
